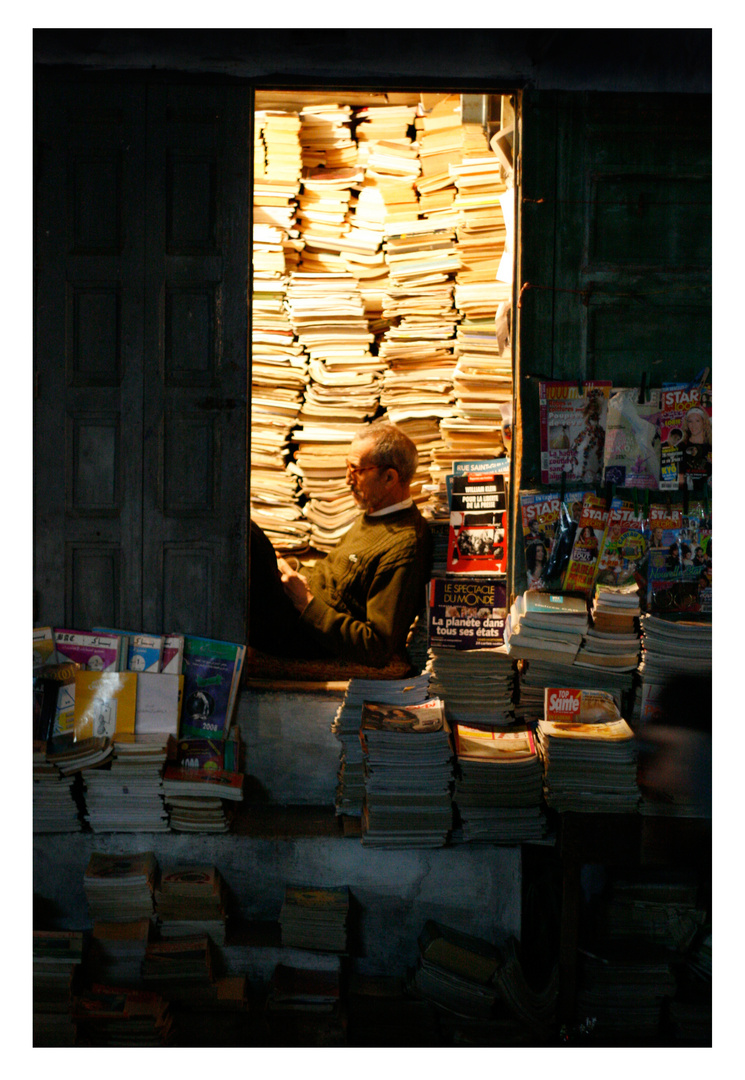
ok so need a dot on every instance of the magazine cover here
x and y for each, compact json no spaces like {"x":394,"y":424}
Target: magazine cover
{"x":466,"y":612}
{"x":209,"y":668}
{"x":483,"y":744}
{"x":477,"y":537}
{"x":680,"y":557}
{"x":404,"y":719}
{"x":573,"y":417}
{"x":685,"y":435}
{"x":583,"y":560}
{"x":539,"y":514}
{"x":488,"y":466}
{"x":624,"y":546}
{"x":631,"y":457}
{"x":586,"y":706}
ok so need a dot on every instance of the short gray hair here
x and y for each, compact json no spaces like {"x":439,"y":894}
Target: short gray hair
{"x":392,"y":448}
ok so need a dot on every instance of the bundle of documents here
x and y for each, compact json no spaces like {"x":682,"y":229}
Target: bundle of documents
{"x":350,"y":791}
{"x":315,"y":917}
{"x":127,"y":795}
{"x":119,"y":888}
{"x":408,"y":770}
{"x":498,"y":785}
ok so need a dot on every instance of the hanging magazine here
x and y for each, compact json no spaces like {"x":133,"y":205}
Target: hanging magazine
{"x":685,"y":434}
{"x":573,"y":417}
{"x":583,"y":561}
{"x":631,"y":457}
{"x":624,"y":545}
{"x":679,"y":572}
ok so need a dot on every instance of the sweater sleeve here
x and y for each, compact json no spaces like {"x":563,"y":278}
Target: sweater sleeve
{"x":391,"y":606}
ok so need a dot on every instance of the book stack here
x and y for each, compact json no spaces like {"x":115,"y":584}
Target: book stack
{"x":120,"y":888}
{"x":326,"y":136}
{"x":176,"y":968}
{"x":70,"y":755}
{"x":323,"y":223}
{"x":280,"y":131}
{"x":478,"y":686}
{"x":55,"y":809}
{"x":190,"y":901}
{"x":374,"y":122}
{"x":440,"y":134}
{"x":127,"y":794}
{"x":671,"y":647}
{"x":534,"y":676}
{"x":304,"y":1006}
{"x":482,"y":380}
{"x":498,"y":785}
{"x":588,"y":752}
{"x":408,"y":771}
{"x":114,"y":1016}
{"x":625,"y":992}
{"x":456,"y":971}
{"x":118,"y":950}
{"x":545,"y":626}
{"x":196,"y":797}
{"x":315,"y":917}
{"x":612,"y":639}
{"x":350,"y":790}
{"x":57,"y":955}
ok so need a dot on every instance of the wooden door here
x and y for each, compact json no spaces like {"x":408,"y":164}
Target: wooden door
{"x":614,"y":252}
{"x":140,"y":354}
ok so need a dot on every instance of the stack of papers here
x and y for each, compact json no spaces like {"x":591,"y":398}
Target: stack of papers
{"x":498,"y":786}
{"x":127,"y":796}
{"x":120,"y":887}
{"x":350,"y":791}
{"x":477,"y":685}
{"x":189,"y":900}
{"x":408,"y":770}
{"x":54,"y":807}
{"x":315,"y":917}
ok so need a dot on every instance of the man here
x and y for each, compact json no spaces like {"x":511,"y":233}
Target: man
{"x":358,"y":603}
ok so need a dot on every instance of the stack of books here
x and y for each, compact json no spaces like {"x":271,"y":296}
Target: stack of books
{"x":296,"y":991}
{"x":589,"y":753}
{"x":545,"y":626}
{"x":70,"y":755}
{"x":196,"y":798}
{"x":190,"y":900}
{"x":408,"y":771}
{"x":315,"y":917}
{"x":55,"y":809}
{"x":498,"y":785}
{"x":477,"y":685}
{"x":326,"y":136}
{"x":127,"y":796}
{"x":350,"y":790}
{"x":625,"y":992}
{"x":612,"y":639}
{"x":178,"y":969}
{"x":114,"y":1016}
{"x":118,"y":950}
{"x":120,"y":888}
{"x":57,"y":955}
{"x":671,"y":647}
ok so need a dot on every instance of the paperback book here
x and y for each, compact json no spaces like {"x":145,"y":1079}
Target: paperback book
{"x":466,"y":612}
{"x":477,"y":538}
{"x":105,"y":704}
{"x":92,"y":651}
{"x":212,"y":672}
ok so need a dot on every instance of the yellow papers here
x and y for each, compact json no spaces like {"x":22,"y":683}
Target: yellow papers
{"x":105,"y":703}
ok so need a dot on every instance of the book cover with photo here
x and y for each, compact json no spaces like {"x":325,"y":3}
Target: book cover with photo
{"x":685,"y":436}
{"x":477,"y":535}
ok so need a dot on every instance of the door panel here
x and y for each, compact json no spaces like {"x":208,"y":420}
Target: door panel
{"x":141,"y":368}
{"x":194,"y":493}
{"x":88,"y":327}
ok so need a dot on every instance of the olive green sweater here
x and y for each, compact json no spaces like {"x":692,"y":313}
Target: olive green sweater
{"x":367,"y":591}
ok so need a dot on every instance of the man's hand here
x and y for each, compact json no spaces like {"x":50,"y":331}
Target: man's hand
{"x":295,"y":586}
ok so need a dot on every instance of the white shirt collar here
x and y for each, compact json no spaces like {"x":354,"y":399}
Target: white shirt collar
{"x":392,"y":509}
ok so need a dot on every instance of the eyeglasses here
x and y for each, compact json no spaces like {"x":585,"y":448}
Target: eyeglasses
{"x":355,"y":469}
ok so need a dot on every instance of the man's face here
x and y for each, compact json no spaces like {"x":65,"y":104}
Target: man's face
{"x":364,"y":479}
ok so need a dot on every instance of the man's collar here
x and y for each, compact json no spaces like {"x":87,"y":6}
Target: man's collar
{"x":391,"y":509}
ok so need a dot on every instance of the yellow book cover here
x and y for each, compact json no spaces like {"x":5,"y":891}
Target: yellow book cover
{"x":105,"y":703}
